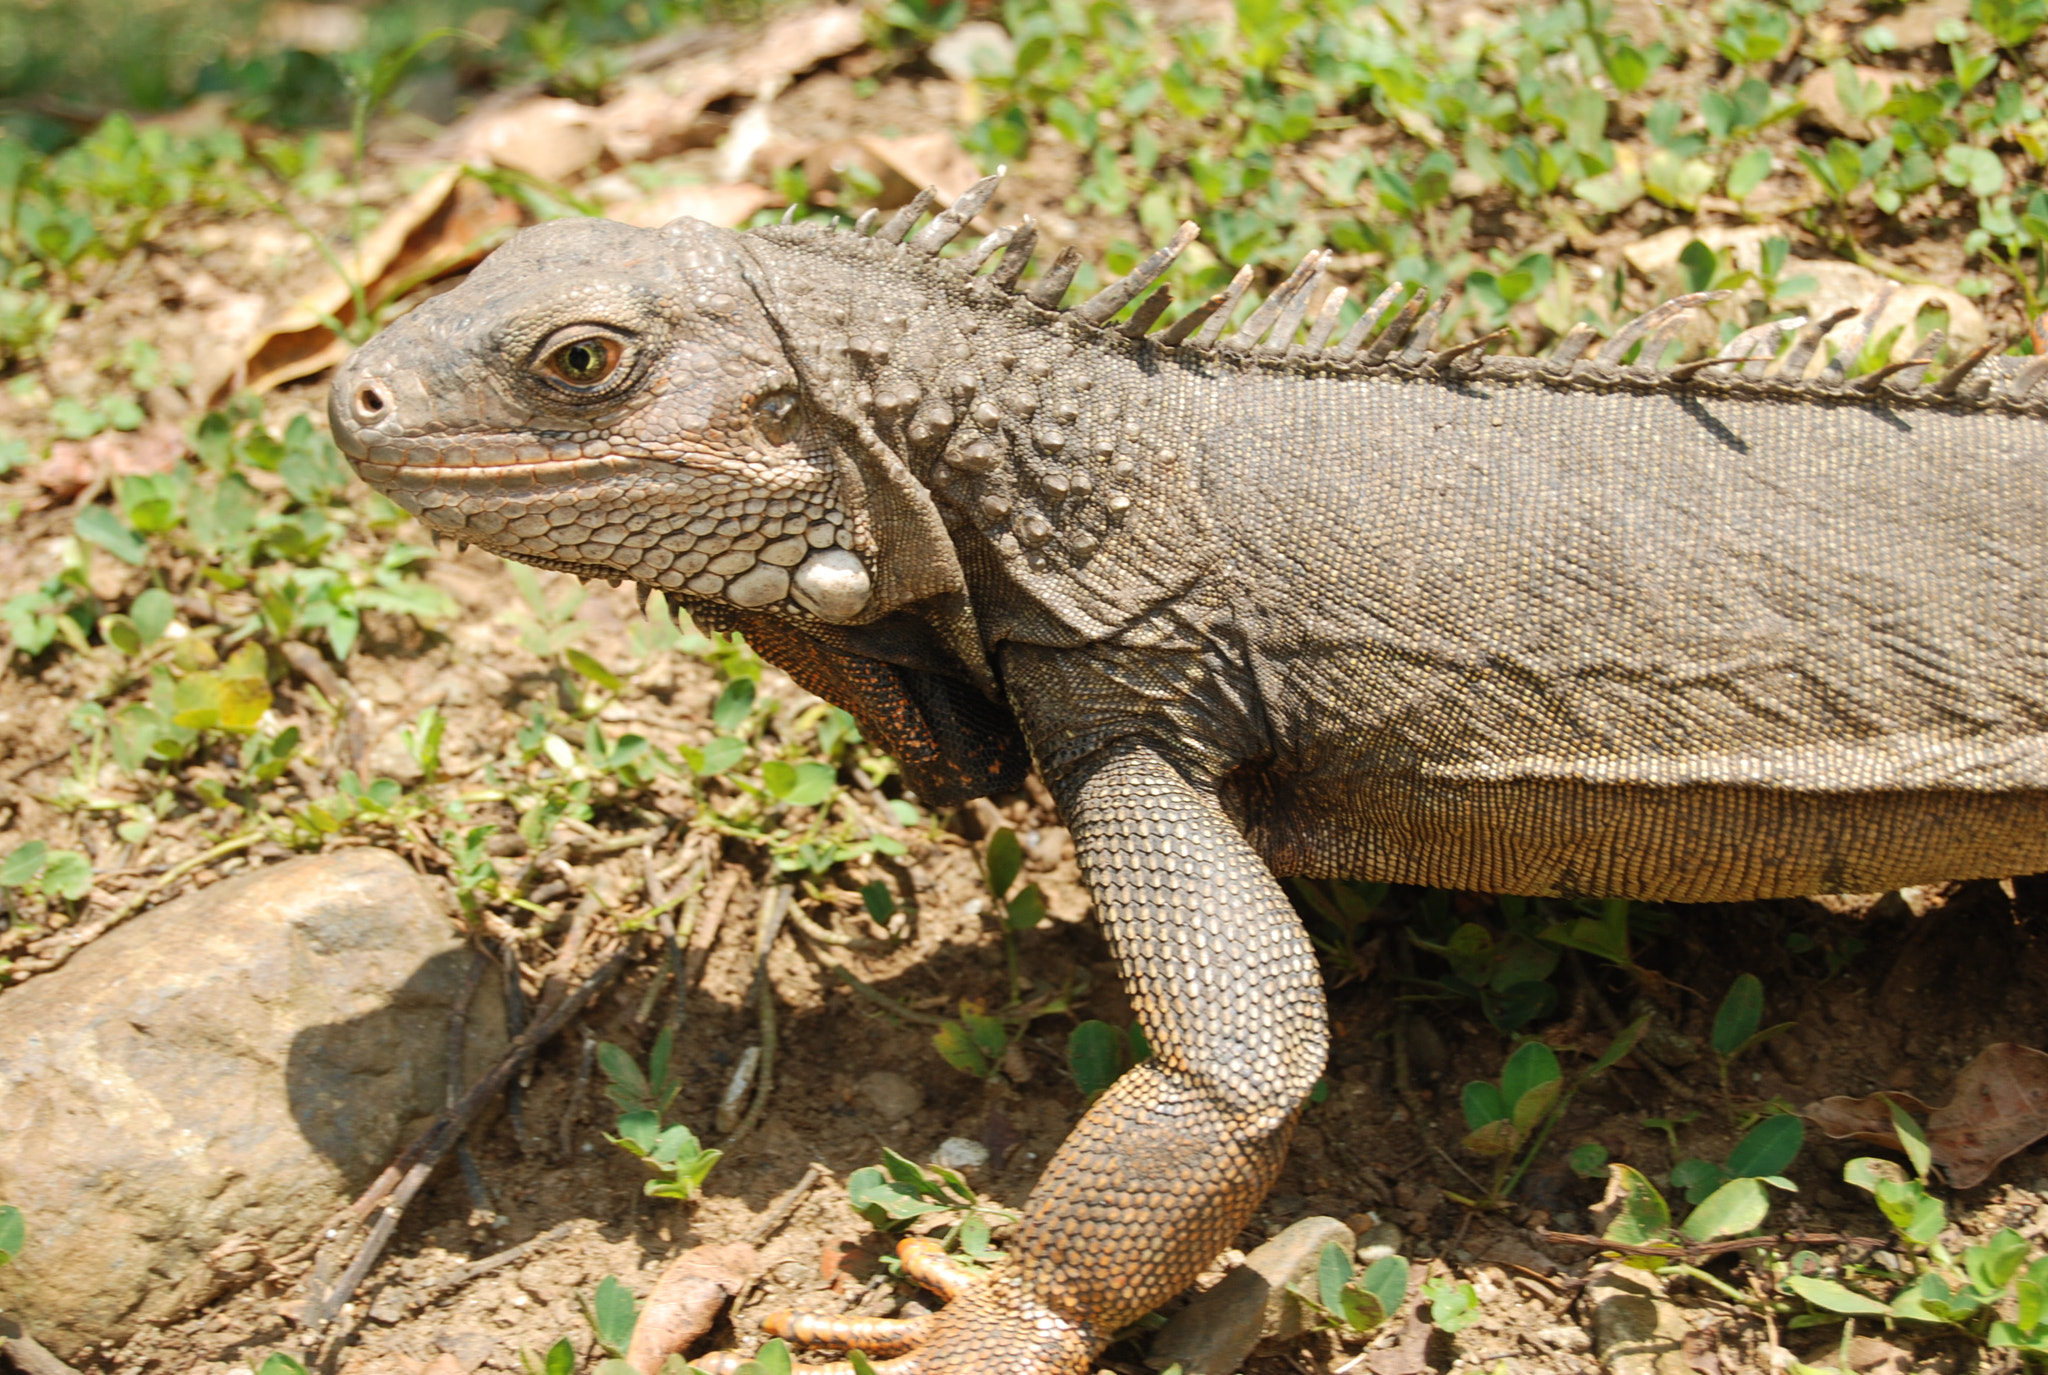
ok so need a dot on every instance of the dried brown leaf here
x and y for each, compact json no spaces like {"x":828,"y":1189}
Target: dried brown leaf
{"x":685,"y":1301}
{"x":1999,"y":1107}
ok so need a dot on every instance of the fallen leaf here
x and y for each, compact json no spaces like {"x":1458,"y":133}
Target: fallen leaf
{"x":685,"y":1301}
{"x":655,"y":112}
{"x":725,"y":206}
{"x":1862,"y":1119}
{"x":75,"y":464}
{"x":542,"y":136}
{"x":448,"y":224}
{"x":934,"y":160}
{"x":1999,"y":1108}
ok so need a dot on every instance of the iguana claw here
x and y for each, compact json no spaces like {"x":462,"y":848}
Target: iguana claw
{"x":899,"y":1339}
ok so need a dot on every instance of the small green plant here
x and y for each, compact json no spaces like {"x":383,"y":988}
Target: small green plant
{"x":898,"y":1192}
{"x":643,"y":1098}
{"x":976,"y":1041}
{"x":1643,"y":1219}
{"x":33,"y":869}
{"x":1453,"y":1304}
{"x":1350,"y":1301}
{"x":1512,"y":1119}
{"x":1739,"y":1029}
{"x":1766,"y":1151}
{"x":13,"y":1232}
{"x":1966,"y":1292}
{"x":278,"y":1363}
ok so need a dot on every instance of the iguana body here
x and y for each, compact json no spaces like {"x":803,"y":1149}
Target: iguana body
{"x":1259,"y":607}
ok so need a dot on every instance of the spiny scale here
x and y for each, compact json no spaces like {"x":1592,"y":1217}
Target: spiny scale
{"x":1408,"y":341}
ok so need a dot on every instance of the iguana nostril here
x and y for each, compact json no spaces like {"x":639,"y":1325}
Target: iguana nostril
{"x":371,"y":403}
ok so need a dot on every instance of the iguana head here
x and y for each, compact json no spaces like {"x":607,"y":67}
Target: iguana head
{"x":625,"y":403}
{"x":614,"y":402}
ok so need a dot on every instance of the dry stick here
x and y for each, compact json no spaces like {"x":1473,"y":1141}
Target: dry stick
{"x":772,"y":1221}
{"x":773,"y":908}
{"x":28,"y":1355}
{"x":1691,"y":1251}
{"x":478,"y":1268}
{"x":65,"y":944}
{"x":703,"y":935}
{"x":404,"y":1176}
{"x":458,"y":1044}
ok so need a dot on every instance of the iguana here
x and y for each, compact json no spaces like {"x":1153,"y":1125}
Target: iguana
{"x":1265,"y":602}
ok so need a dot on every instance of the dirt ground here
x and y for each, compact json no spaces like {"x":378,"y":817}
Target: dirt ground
{"x":1897,"y":991}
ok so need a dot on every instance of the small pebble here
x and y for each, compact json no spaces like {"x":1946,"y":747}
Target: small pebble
{"x":959,"y":1153}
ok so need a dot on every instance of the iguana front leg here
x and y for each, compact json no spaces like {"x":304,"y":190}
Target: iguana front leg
{"x":1166,"y":1168}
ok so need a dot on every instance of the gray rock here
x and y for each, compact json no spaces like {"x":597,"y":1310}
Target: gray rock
{"x":1636,"y":1330}
{"x":236,"y":1064}
{"x":1213,"y":1334}
{"x":1383,"y":1240}
{"x":894,"y":1096}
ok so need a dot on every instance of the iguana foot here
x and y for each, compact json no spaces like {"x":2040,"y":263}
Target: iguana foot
{"x":985,"y":1330}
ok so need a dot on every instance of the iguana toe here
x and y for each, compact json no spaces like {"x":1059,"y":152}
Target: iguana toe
{"x":989,"y":1325}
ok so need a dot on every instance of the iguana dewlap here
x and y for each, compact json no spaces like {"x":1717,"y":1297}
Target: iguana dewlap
{"x":1263,"y":603}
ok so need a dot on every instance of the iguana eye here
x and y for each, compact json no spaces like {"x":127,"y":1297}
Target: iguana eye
{"x":585,"y":362}
{"x":776,"y":416}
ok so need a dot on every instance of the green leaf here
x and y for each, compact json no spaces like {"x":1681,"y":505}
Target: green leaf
{"x":1747,"y":172}
{"x":1531,"y":1066}
{"x":23,"y":863}
{"x":1531,"y":1106}
{"x":13,"y":1232}
{"x":1095,"y":1058}
{"x":773,"y":1358}
{"x":1912,"y":1136}
{"x":1992,"y":1265}
{"x":1736,"y":1207}
{"x":1740,"y":1014}
{"x":98,"y":525}
{"x":1386,"y":1279}
{"x":1643,"y":1217}
{"x":67,"y":874}
{"x":958,"y":1049}
{"x":1621,"y":1045}
{"x":735,"y":703}
{"x":277,"y":1363}
{"x":716,"y":757}
{"x":1333,"y":1271}
{"x":800,"y":785}
{"x":1588,"y":1160}
{"x":614,"y":1313}
{"x":1483,"y":1104}
{"x":1835,"y":1298}
{"x":594,"y":671}
{"x":1026,"y":908}
{"x":1453,"y":1304}
{"x":1768,"y":1147}
{"x":1005,"y":858}
{"x":1698,"y":1179}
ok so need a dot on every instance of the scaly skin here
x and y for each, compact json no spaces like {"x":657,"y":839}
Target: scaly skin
{"x":1483,"y":623}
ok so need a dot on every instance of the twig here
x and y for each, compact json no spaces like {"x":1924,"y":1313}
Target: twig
{"x":774,"y":907}
{"x":28,"y":1355}
{"x":458,"y":1044}
{"x":1696,"y":1250}
{"x":772,"y":1222}
{"x":64,"y":944}
{"x":878,"y":997}
{"x":476,"y":1269}
{"x":404,"y":1176}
